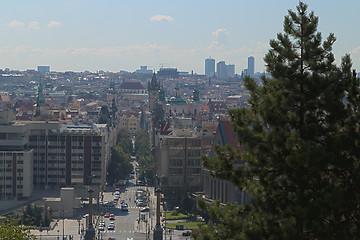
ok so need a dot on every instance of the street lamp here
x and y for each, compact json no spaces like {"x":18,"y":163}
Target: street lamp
{"x":79,"y":226}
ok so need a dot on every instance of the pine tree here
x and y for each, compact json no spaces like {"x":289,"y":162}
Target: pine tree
{"x":301,"y":139}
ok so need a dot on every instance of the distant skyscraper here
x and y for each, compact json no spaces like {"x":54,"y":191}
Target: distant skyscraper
{"x":209,"y":67}
{"x":221,"y":70}
{"x":230,"y":69}
{"x":43,"y":69}
{"x":251,"y":66}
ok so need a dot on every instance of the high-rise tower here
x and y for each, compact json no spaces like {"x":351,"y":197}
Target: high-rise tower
{"x":251,"y":66}
{"x":209,"y":67}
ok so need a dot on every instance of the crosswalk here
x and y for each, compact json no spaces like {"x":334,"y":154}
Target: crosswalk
{"x":117,"y":231}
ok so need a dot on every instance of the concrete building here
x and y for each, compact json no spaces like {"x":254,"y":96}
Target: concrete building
{"x":43,"y":69}
{"x":221,"y":71}
{"x":230,"y":70}
{"x":130,"y":122}
{"x":251,"y":66}
{"x":218,"y":189}
{"x":65,"y":206}
{"x":209,"y":67}
{"x":16,"y":159}
{"x":225,"y":71}
{"x":178,"y":163}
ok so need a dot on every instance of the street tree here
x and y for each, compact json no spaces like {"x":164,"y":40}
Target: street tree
{"x":10,"y":230}
{"x":300,"y":138}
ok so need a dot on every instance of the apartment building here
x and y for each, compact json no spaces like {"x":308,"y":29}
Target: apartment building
{"x":16,"y":159}
{"x":67,"y":154}
{"x":178,"y":163}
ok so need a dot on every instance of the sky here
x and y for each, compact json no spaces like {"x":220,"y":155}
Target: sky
{"x":114,"y":35}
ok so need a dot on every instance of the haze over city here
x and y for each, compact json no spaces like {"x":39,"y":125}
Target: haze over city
{"x":122,"y":35}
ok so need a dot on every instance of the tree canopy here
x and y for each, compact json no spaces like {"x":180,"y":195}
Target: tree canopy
{"x":301,"y":140}
{"x":11,"y":231}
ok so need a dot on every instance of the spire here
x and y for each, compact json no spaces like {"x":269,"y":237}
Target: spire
{"x":154,"y":85}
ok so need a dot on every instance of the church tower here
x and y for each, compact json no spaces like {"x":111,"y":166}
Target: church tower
{"x":153,"y":90}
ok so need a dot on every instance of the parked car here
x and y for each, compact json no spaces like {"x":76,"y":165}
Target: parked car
{"x":112,"y":217}
{"x":116,"y":197}
{"x":186,"y":233}
{"x":110,"y":204}
{"x":107,"y":215}
{"x":139,"y":183}
{"x":141,"y":204}
{"x":145,"y":209}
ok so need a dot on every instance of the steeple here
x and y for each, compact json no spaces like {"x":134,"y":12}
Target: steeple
{"x":112,"y":89}
{"x":196,"y":95}
{"x":154,"y":84}
{"x":177,"y":91}
{"x":153,"y":91}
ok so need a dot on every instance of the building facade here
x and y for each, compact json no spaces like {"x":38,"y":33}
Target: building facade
{"x":16,"y":159}
{"x":209,"y":67}
{"x":218,"y":189}
{"x":251,"y":66}
{"x":178,"y":163}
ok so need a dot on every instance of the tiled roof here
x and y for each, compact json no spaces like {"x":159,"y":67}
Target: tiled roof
{"x":227,"y":134}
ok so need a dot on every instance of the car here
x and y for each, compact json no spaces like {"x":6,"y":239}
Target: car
{"x":101,"y":228}
{"x":124,"y":207}
{"x":110,"y":204}
{"x":144,"y":209}
{"x":116,"y":197}
{"x":139,"y":183}
{"x":122,"y":201}
{"x":112,"y":217}
{"x":111,"y":238}
{"x":102,"y":223}
{"x":186,"y":233}
{"x":107,"y":215}
{"x":141,"y":204}
{"x":117,"y":193}
{"x":117,"y":189}
{"x":111,"y":227}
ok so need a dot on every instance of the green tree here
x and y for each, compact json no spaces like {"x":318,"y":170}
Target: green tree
{"x":124,"y":141}
{"x":144,"y":157}
{"x":10,"y":231}
{"x":301,"y":139}
{"x":119,"y":166}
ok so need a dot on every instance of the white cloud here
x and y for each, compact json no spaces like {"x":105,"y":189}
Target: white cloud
{"x":54,"y":24}
{"x":33,"y":25}
{"x":15,"y":23}
{"x":219,"y":32}
{"x":355,"y":50}
{"x":160,"y":18}
{"x":220,"y":37}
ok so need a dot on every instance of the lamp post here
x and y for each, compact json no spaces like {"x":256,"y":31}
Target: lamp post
{"x":63,"y":226}
{"x":158,"y":231}
{"x":90,"y":231}
{"x":78,"y":226}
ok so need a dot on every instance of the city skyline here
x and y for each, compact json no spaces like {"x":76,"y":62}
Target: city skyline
{"x":115,"y":35}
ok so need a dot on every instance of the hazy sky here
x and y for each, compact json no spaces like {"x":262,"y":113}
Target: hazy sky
{"x":114,"y":35}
